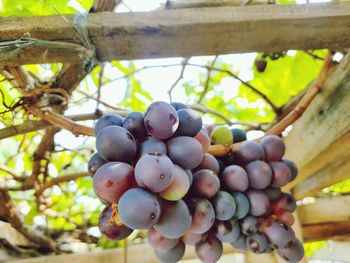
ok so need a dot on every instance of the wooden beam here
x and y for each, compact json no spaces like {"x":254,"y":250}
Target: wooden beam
{"x":319,"y":140}
{"x":136,"y":253}
{"x":332,"y":209}
{"x":326,"y":231}
{"x":180,"y":4}
{"x":334,"y":172}
{"x":186,"y":32}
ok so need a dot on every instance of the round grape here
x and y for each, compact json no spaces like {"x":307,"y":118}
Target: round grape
{"x":257,"y":243}
{"x":175,"y":219}
{"x":210,"y":250}
{"x":134,"y":123}
{"x":185,"y":151}
{"x":274,"y":147}
{"x":249,"y":225}
{"x":221,"y":135}
{"x":154,"y":171}
{"x":281,"y":174}
{"x":192,"y":239}
{"x":115,"y":143}
{"x":293,"y":168}
{"x":203,"y":215}
{"x":94,"y":163}
{"x":108,"y":120}
{"x":112,"y":180}
{"x":108,"y":227}
{"x":249,"y":151}
{"x":178,"y":105}
{"x":190,"y":123}
{"x":224,"y":205}
{"x":161,"y":120}
{"x":242,"y":205}
{"x":226,"y":231}
{"x":159,"y":242}
{"x":205,"y":183}
{"x":151,"y":145}
{"x":259,"y":174}
{"x":293,"y":253}
{"x":203,"y":138}
{"x":139,"y":209}
{"x":178,"y":187}
{"x":239,"y":135}
{"x":240,"y":243}
{"x":278,"y":234}
{"x":171,"y":256}
{"x":259,"y":202}
{"x":209,"y":162}
{"x":235,"y":178}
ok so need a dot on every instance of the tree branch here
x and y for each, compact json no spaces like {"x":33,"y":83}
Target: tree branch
{"x":245,"y":83}
{"x":58,"y":180}
{"x":181,"y":75}
{"x":206,"y":86}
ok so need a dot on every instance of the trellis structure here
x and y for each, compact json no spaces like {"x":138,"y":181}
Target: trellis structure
{"x":319,"y":141}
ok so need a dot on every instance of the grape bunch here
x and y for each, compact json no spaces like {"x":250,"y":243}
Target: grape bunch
{"x":153,"y":172}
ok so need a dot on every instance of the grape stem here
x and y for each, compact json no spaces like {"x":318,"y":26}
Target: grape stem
{"x":295,"y":114}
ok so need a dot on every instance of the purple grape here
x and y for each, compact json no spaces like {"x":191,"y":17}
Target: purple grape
{"x":192,"y":239}
{"x":274,"y":147}
{"x":249,"y":151}
{"x":190,"y":176}
{"x":171,"y":256}
{"x":235,"y":178}
{"x":281,"y":174}
{"x":224,"y":205}
{"x":285,"y":202}
{"x":259,"y":174}
{"x":273,"y":193}
{"x":134,"y":123}
{"x":115,"y":143}
{"x":278,"y":234}
{"x":249,"y":225}
{"x":190,"y":123}
{"x":210,"y":250}
{"x":161,"y":120}
{"x":240,"y":243}
{"x":112,"y":180}
{"x":205,"y":183}
{"x":159,"y":242}
{"x":259,"y":202}
{"x":242,"y":205}
{"x":108,"y":227}
{"x":293,"y":168}
{"x":203,"y":138}
{"x":239,"y":135}
{"x":185,"y":151}
{"x":151,"y":145}
{"x":109,"y":119}
{"x":203,"y":215}
{"x":178,"y":187}
{"x":154,"y":171}
{"x":175,"y":219}
{"x":94,"y":163}
{"x":226,"y":231}
{"x":293,"y":253}
{"x":178,"y":105}
{"x":257,"y":243}
{"x":139,"y":209}
{"x":209,"y":162}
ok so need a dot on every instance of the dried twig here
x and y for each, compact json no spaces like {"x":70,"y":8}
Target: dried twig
{"x":58,"y":180}
{"x":206,"y":86}
{"x":180,"y":77}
